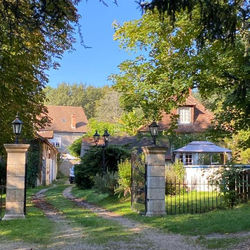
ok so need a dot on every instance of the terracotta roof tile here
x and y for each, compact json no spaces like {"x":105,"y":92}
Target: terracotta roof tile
{"x":62,"y":118}
{"x":46,"y":134}
{"x":202,"y":118}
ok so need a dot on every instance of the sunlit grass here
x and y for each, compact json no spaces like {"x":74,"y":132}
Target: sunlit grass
{"x":35,"y":228}
{"x":97,"y":230}
{"x":220,"y":243}
{"x":193,"y":202}
{"x":217,"y":221}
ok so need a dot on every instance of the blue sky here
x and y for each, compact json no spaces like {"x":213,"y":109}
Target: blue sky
{"x":93,"y":66}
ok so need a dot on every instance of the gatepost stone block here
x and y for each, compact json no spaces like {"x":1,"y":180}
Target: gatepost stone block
{"x":155,"y":160}
{"x":15,"y":185}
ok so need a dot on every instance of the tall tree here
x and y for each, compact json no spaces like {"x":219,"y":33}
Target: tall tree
{"x":32,"y":33}
{"x":108,"y":107}
{"x":217,"y":19}
{"x":65,"y":94}
{"x":170,"y":63}
{"x":75,"y":95}
{"x":92,"y":95}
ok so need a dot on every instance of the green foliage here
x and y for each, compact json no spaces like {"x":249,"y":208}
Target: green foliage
{"x":124,"y":178}
{"x":65,"y":94}
{"x":229,"y":180}
{"x":106,"y":183}
{"x":92,"y":95}
{"x":33,"y":163}
{"x":174,"y":178}
{"x":108,"y":107}
{"x":75,"y":95}
{"x":32,"y":35}
{"x":180,"y":140}
{"x":75,"y":147}
{"x":159,"y":78}
{"x":169,"y":63}
{"x":216,"y":221}
{"x":239,"y":143}
{"x":97,"y":230}
{"x":217,"y":19}
{"x":91,"y":163}
{"x":113,"y":128}
{"x":132,"y":121}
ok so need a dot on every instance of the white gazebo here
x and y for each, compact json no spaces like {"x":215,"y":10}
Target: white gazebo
{"x":203,"y":153}
{"x":201,"y":159}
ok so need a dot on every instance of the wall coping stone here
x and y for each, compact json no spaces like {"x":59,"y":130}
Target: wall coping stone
{"x":16,"y":148}
{"x":154,"y":150}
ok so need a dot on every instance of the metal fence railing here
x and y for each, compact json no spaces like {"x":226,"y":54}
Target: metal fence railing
{"x":2,"y":200}
{"x":196,"y":196}
{"x":138,"y":183}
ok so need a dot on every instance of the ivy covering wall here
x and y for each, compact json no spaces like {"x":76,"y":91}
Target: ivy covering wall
{"x":34,"y":162}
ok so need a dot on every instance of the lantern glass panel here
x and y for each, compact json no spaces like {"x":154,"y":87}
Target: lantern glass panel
{"x":153,"y":129}
{"x":17,"y":128}
{"x":106,"y":136}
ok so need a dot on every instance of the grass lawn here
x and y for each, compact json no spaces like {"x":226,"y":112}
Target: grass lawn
{"x":193,"y":202}
{"x":35,"y":228}
{"x":217,"y":221}
{"x":96,"y":229}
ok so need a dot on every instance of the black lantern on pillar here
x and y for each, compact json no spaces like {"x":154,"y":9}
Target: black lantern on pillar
{"x":106,"y":137}
{"x":17,"y":127}
{"x":96,"y":137}
{"x":153,"y":127}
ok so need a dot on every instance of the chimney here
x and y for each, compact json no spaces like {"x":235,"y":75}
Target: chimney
{"x":73,"y":121}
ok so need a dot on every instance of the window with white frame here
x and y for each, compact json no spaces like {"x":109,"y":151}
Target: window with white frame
{"x":185,"y":114}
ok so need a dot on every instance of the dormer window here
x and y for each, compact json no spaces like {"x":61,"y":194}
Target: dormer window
{"x":185,"y":115}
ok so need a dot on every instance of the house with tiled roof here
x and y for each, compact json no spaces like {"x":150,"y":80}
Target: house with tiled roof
{"x":193,"y":118}
{"x":68,"y":123}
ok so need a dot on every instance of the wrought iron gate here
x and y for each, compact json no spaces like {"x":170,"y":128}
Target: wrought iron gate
{"x":138,"y":183}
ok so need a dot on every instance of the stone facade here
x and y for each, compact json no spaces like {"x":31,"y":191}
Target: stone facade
{"x":15,"y":186}
{"x":65,"y":139}
{"x":155,"y":160}
{"x":62,"y":140}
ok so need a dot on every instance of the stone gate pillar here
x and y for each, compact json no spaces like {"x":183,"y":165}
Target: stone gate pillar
{"x":15,"y":187}
{"x":155,"y":160}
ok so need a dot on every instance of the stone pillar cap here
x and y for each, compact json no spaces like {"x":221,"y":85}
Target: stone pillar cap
{"x":16,"y":147}
{"x":154,"y":150}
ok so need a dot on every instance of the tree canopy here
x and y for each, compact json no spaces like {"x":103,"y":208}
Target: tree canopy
{"x":32,"y":34}
{"x":75,"y":95}
{"x":170,"y":63}
{"x":217,"y":19}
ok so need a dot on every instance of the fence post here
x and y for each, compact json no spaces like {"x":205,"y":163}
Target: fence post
{"x":155,"y":160}
{"x":15,"y":186}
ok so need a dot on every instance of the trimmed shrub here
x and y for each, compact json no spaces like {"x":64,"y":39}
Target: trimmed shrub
{"x":106,"y":183}
{"x":124,"y":179}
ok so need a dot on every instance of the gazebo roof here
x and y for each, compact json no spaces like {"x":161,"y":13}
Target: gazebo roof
{"x":202,"y":147}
